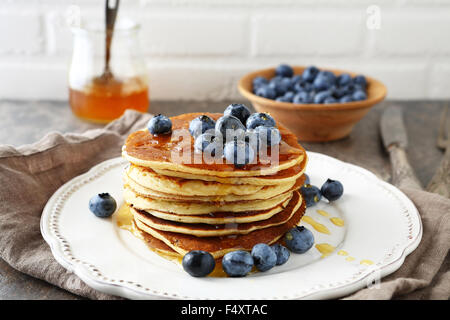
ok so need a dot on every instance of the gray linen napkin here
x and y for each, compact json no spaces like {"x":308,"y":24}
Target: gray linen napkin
{"x":30,"y":174}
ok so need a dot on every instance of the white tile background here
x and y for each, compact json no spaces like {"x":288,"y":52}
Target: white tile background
{"x":198,"y":49}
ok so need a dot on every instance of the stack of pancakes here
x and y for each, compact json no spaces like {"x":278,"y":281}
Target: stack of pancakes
{"x":179,"y":207}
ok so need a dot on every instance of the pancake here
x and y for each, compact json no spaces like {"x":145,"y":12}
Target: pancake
{"x":219,"y":246}
{"x":283,"y":176}
{"x":265,"y":193}
{"x":197,"y":208}
{"x":185,"y":187}
{"x":208,"y":230}
{"x":221,"y":217}
{"x":144,"y":149}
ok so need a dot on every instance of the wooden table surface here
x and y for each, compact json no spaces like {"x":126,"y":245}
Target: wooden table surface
{"x":28,"y":121}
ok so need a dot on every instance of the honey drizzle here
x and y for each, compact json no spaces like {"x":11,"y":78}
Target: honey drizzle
{"x":316,"y":225}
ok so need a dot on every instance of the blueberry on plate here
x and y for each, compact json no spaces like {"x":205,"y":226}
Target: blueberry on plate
{"x":303,"y":97}
{"x":264,"y":257}
{"x":347,"y":98}
{"x":267,"y":136}
{"x":237,"y":110}
{"x":344,"y":79}
{"x":332,"y":190}
{"x":299,"y":239}
{"x":237,"y":263}
{"x":259,"y":81}
{"x":310,"y":73}
{"x":260,"y":119}
{"x":198,"y":263}
{"x":284,"y":70}
{"x":307,"y":179}
{"x":360,"y":80}
{"x":102,"y":205}
{"x":321,"y":96}
{"x":282,"y":253}
{"x":209,"y":144}
{"x":359,"y":95}
{"x":239,"y":153}
{"x":266,"y":91}
{"x":230,"y":128}
{"x":159,"y":124}
{"x":200,"y":125}
{"x":311,"y":194}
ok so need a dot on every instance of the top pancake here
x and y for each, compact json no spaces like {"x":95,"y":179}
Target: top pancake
{"x":144,"y":149}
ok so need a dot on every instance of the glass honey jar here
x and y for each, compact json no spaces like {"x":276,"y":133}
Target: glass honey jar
{"x":102,"y":94}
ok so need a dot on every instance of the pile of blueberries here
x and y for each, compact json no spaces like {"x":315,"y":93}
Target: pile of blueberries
{"x":240,"y":262}
{"x":313,"y":86}
{"x":237,"y":136}
{"x":331,"y":190}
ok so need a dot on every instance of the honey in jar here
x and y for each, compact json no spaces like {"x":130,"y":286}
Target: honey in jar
{"x":100,"y":91}
{"x":103,"y":100}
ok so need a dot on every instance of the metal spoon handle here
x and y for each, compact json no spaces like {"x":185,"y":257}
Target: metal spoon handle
{"x":110,"y":14}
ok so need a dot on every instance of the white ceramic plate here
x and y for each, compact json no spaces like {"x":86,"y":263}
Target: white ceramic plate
{"x":381,"y":225}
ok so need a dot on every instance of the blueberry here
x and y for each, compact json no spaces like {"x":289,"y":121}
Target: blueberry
{"x":230,"y":127}
{"x":237,"y":110}
{"x":347,"y":98}
{"x":310,"y":73}
{"x":260,"y":119}
{"x":209,"y":144}
{"x":344,"y":79}
{"x":268,"y":136}
{"x":281,"y":86}
{"x":198,"y":263}
{"x":311,"y":194}
{"x":282,"y":253}
{"x":332,"y":190}
{"x":239,"y":153}
{"x":299,"y":239}
{"x":307,"y":179}
{"x":321,"y":96}
{"x":360,"y":80}
{"x":283,"y":99}
{"x":284,"y":70}
{"x":237,"y":263}
{"x":342,"y":91}
{"x":264,"y":257}
{"x":321,"y":83}
{"x":296,"y":79}
{"x":289,"y":96}
{"x":200,"y":125}
{"x":159,"y":124}
{"x":324,"y":80}
{"x":330,"y":100}
{"x":303,"y":97}
{"x":102,"y":205}
{"x":266,"y":92}
{"x":258,"y":82}
{"x":359,"y":95}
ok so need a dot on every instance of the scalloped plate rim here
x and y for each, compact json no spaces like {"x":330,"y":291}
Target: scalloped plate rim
{"x":127,"y":292}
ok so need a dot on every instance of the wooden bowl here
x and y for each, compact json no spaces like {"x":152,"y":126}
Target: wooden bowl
{"x":314,"y":122}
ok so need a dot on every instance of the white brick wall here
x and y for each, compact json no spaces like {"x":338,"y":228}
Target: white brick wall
{"x":198,"y":49}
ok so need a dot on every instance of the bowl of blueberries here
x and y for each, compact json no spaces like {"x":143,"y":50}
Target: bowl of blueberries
{"x":316,"y":104}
